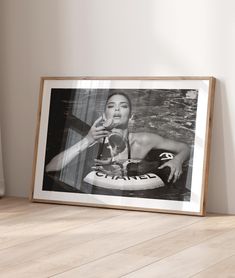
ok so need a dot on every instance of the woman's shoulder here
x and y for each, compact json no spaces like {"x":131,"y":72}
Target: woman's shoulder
{"x":144,"y":137}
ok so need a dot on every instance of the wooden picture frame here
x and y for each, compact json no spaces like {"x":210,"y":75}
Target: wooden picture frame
{"x":139,"y":143}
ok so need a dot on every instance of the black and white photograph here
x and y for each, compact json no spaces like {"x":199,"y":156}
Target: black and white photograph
{"x":127,"y":143}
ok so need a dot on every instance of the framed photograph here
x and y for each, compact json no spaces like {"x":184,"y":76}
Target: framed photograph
{"x":139,"y":143}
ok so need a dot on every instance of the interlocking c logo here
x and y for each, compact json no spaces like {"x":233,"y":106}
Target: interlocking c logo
{"x":166,"y":156}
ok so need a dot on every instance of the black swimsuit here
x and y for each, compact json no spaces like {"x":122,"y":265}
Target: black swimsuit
{"x":104,"y":152}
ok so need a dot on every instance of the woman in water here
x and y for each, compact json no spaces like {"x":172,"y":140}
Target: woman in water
{"x":123,"y":146}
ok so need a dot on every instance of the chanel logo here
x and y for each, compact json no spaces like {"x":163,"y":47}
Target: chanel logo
{"x":166,"y":156}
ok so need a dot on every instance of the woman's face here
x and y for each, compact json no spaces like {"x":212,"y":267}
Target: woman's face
{"x":118,"y":109}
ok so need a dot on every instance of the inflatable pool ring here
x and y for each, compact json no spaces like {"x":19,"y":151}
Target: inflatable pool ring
{"x":142,"y":175}
{"x":141,"y":182}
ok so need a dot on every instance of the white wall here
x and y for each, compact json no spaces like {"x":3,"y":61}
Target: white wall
{"x":115,"y":37}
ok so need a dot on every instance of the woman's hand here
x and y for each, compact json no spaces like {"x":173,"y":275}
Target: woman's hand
{"x":106,"y":166}
{"x":96,"y":132}
{"x":176,"y":169}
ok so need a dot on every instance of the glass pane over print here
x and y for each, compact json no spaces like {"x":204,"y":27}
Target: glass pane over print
{"x":171,"y":114}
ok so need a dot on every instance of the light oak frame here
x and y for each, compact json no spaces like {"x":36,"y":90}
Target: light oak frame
{"x":209,"y":116}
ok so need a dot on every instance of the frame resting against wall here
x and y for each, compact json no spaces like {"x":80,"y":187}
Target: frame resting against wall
{"x":140,"y":143}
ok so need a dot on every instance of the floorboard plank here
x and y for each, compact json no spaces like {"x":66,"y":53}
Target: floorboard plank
{"x":183,"y":264}
{"x":48,"y":240}
{"x":225,"y":268}
{"x":155,"y":249}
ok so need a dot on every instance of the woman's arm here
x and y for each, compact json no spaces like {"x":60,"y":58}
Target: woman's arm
{"x":62,"y":159}
{"x":180,"y":149}
{"x":182,"y":154}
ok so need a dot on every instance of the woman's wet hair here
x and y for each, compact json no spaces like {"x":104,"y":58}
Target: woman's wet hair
{"x":120,"y":94}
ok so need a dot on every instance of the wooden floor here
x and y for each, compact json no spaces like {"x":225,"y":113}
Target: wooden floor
{"x":44,"y":240}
